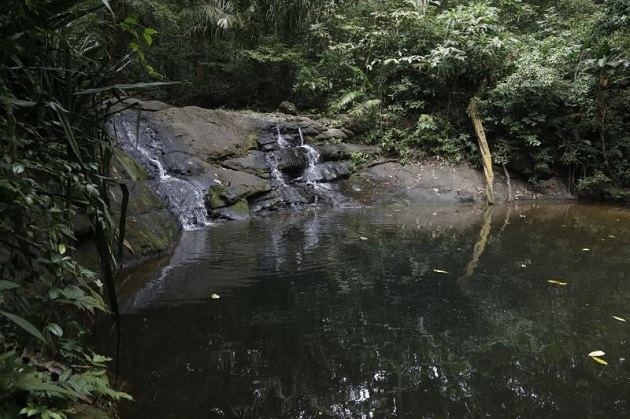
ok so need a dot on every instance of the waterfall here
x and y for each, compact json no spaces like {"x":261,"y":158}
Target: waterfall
{"x":184,"y":197}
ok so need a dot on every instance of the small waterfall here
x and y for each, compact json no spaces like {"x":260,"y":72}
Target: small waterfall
{"x":311,"y":174}
{"x":184,"y":197}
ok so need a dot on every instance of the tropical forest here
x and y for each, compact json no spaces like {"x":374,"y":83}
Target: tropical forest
{"x":208,"y":208}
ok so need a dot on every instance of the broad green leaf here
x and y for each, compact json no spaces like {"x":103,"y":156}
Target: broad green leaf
{"x":62,"y":248}
{"x":24,"y":324}
{"x":55,"y":329}
{"x":599,"y":360}
{"x":8,"y":285}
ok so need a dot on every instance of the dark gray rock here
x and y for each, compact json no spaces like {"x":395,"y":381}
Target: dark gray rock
{"x":343,"y":151}
{"x":331,"y":133}
{"x":232,"y":186}
{"x":330,"y":171}
{"x":254,"y":162}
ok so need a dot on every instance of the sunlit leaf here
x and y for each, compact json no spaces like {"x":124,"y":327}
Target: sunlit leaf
{"x":363,"y":238}
{"x":612,"y":237}
{"x":586,"y":249}
{"x":553,"y":281}
{"x":597,"y":353}
{"x":440,"y":271}
{"x":599,"y":360}
{"x":55,"y":329}
{"x":62,"y":248}
{"x":215,"y":296}
{"x":621,"y":319}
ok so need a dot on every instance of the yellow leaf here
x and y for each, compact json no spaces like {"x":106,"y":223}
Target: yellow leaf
{"x":215,"y":296}
{"x":597,"y":353}
{"x":440,"y":271}
{"x":601,"y":361}
{"x":621,"y":319}
{"x":553,"y":281}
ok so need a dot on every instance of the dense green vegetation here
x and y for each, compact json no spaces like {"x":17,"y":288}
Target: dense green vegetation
{"x":56,"y":70}
{"x":551,"y":80}
{"x":551,"y":77}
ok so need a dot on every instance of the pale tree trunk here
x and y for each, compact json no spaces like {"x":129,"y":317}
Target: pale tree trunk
{"x":486,"y":156}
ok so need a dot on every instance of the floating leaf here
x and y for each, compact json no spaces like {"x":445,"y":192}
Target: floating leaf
{"x":621,"y":319}
{"x":553,"y":281}
{"x":601,"y":361}
{"x":440,"y":271}
{"x":215,"y":296}
{"x":363,"y":238}
{"x":597,"y":353}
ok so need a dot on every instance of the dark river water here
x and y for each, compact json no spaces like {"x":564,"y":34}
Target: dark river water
{"x":430,"y":312}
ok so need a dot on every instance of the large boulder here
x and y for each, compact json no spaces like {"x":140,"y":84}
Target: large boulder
{"x":436,"y":183}
{"x":210,"y":134}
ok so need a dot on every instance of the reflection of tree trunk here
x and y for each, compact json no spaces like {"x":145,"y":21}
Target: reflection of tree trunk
{"x":486,"y":156}
{"x":484,"y":233}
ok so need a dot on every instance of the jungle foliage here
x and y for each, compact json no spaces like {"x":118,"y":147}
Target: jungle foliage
{"x":553,"y":76}
{"x":56,"y":90}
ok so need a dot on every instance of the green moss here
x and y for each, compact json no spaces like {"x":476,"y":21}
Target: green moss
{"x":241,"y":206}
{"x":127,"y":168}
{"x":214,"y":197}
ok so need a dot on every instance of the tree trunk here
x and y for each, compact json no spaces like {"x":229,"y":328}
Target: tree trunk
{"x":484,"y":148}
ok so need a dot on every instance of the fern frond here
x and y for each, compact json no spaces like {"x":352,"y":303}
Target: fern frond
{"x":369,"y":107}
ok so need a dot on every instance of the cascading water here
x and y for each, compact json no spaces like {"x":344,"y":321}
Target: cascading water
{"x":184,"y":197}
{"x":312,"y":184}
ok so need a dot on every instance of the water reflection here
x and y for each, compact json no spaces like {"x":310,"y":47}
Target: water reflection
{"x":429,"y":312}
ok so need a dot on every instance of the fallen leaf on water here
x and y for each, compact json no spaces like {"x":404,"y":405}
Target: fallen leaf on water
{"x":215,"y":296}
{"x":586,"y":249}
{"x":601,"y":361}
{"x":621,"y":319}
{"x":597,"y":353}
{"x":553,"y":281}
{"x":363,"y":238}
{"x":440,"y":271}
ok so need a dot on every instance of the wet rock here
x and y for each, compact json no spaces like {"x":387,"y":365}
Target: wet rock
{"x":330,"y":171}
{"x":254,"y":162}
{"x":232,"y":186}
{"x":290,"y":159}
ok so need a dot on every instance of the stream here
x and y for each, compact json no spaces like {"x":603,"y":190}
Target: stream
{"x":406,"y":312}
